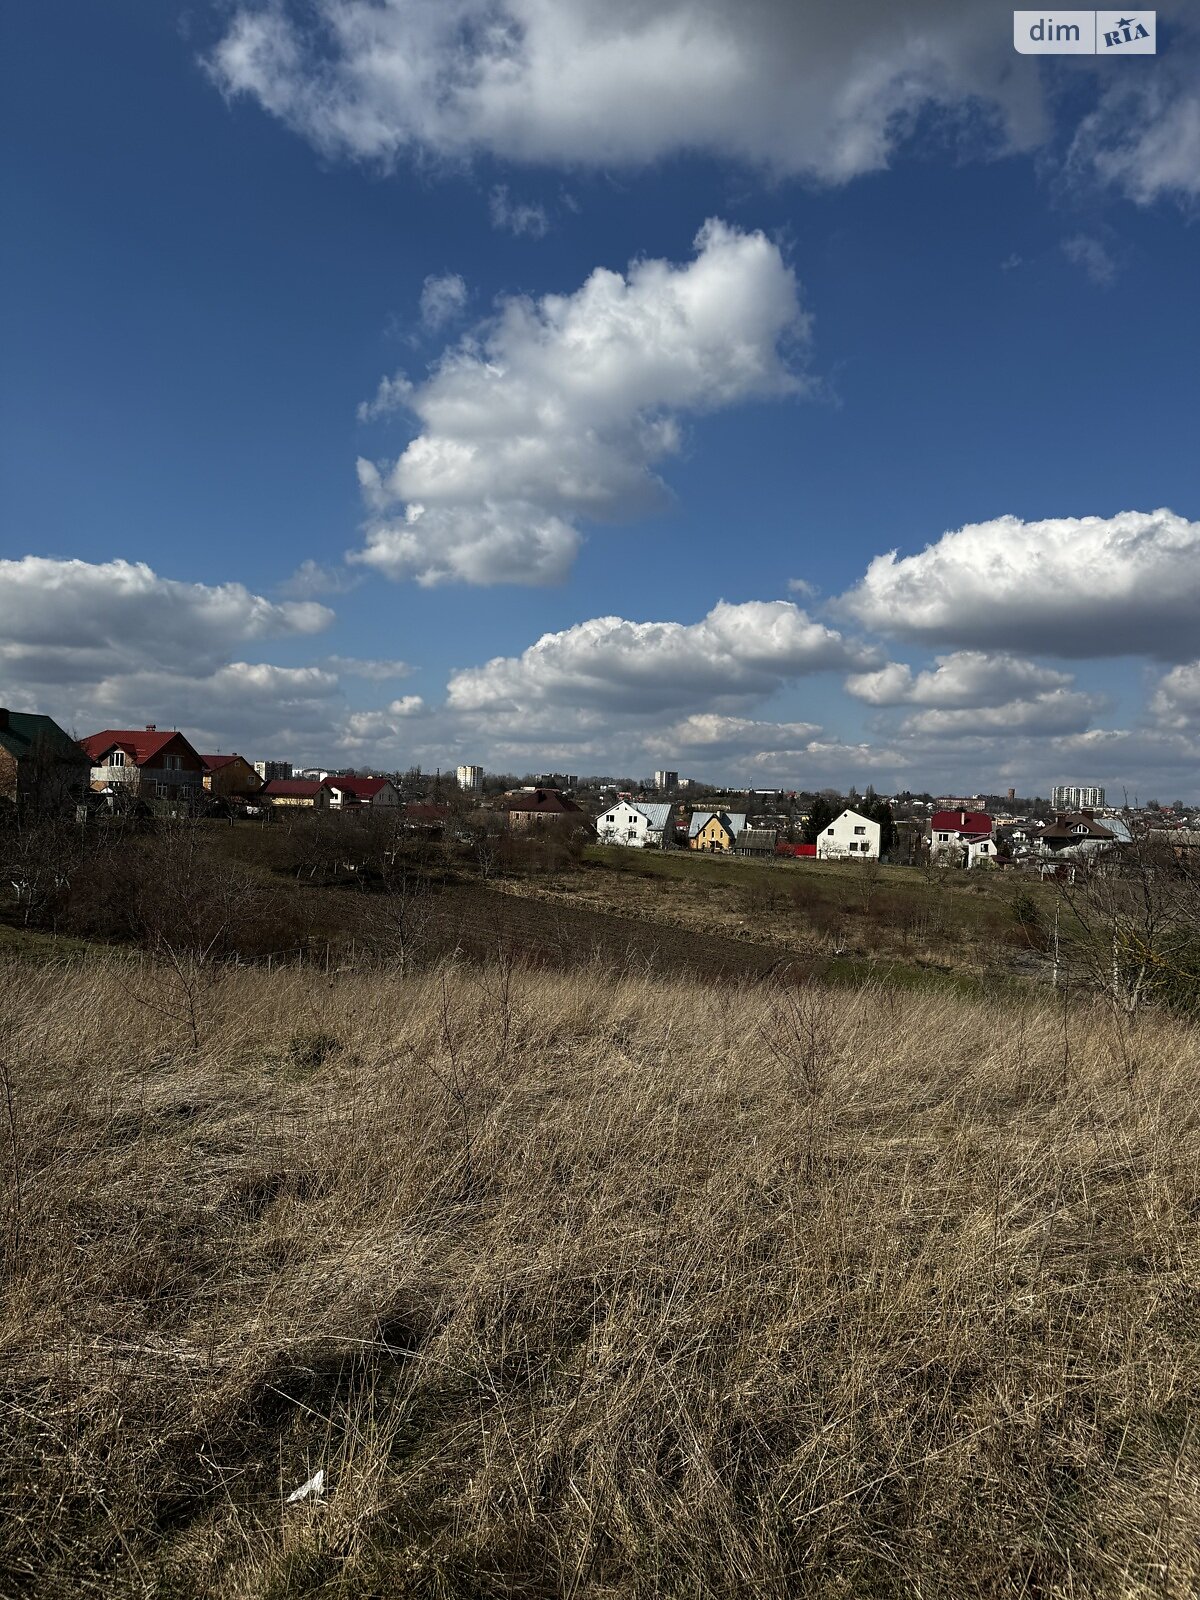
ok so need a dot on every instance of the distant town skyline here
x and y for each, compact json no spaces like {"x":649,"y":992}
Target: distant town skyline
{"x":798,"y":395}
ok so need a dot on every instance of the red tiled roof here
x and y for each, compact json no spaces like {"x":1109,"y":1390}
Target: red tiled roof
{"x":143,"y":744}
{"x":972,"y":822}
{"x":215,"y":763}
{"x":296,"y":788}
{"x":419,"y":812}
{"x":538,"y":800}
{"x":360,"y":788}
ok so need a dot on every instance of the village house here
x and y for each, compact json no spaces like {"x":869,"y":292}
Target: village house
{"x":297,"y":793}
{"x":40,"y":765}
{"x":229,"y":775}
{"x":850,"y":837}
{"x":756,"y":842}
{"x":982,"y":852}
{"x":641,"y":825}
{"x":952,"y":832}
{"x":715,"y":831}
{"x":1079,"y":834}
{"x":145,"y":763}
{"x":530,"y":809}
{"x":345,"y":793}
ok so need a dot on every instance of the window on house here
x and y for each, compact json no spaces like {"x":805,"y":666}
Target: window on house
{"x":117,"y":758}
{"x":829,"y":831}
{"x":860,"y":830}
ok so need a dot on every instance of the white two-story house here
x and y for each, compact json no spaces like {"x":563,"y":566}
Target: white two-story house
{"x":850,"y":837}
{"x":641,"y":825}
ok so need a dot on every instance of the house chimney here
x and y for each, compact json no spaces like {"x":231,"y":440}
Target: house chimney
{"x":962,"y":819}
{"x":152,"y":727}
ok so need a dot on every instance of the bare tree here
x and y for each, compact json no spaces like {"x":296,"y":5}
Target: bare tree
{"x":868,"y":873}
{"x":188,"y":907}
{"x":1131,"y":926}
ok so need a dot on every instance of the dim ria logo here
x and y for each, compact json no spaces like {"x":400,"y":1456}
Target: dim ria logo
{"x":1084,"y":33}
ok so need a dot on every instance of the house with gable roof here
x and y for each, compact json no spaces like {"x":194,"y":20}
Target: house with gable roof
{"x":850,"y":837}
{"x":40,"y":765}
{"x":952,"y":834}
{"x":347,"y":793}
{"x":296,"y":793}
{"x":1078,"y":834}
{"x":640,"y":824}
{"x":145,"y":762}
{"x":229,"y":775}
{"x":715,"y":831}
{"x":528,"y":810}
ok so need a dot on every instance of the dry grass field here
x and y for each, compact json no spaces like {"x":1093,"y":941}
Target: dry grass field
{"x":959,"y":922}
{"x":582,"y":1284}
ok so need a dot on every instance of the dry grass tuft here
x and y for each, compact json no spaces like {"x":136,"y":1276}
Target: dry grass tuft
{"x":582,"y":1285}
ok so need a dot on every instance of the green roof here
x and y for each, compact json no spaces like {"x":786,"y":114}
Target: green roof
{"x":23,"y":731}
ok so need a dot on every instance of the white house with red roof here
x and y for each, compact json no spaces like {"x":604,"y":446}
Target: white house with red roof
{"x":967,"y":836}
{"x":145,"y":761}
{"x":345,"y":793}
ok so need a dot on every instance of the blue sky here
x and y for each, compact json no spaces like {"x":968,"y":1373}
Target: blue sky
{"x":947,"y":285}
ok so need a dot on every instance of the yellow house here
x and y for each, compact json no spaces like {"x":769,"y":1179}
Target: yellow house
{"x":225,"y":775}
{"x":714,"y":830}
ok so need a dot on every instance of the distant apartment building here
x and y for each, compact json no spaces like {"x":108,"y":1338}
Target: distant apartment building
{"x":1075,"y":797}
{"x":666,"y":780}
{"x":270,"y":771}
{"x":470,"y":778}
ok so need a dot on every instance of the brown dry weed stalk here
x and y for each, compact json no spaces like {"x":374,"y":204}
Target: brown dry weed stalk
{"x":680,"y":1290}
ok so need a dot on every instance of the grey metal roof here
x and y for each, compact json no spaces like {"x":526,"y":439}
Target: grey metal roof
{"x":757,"y":839}
{"x":735,"y":821}
{"x":658,"y":814}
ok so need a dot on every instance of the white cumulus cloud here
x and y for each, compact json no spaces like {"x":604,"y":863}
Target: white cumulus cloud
{"x":1057,"y":712}
{"x":1076,"y":587}
{"x":966,"y":678}
{"x":707,"y":735}
{"x":559,"y":410}
{"x":115,"y":644}
{"x":830,"y":91}
{"x":1143,"y":137}
{"x":63,"y":620}
{"x":1176,"y":701}
{"x":736,"y":654}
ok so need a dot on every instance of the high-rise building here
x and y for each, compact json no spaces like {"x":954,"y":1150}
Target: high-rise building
{"x":1076,"y":797}
{"x":666,"y":780}
{"x":470,"y":778}
{"x":269,"y":771}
